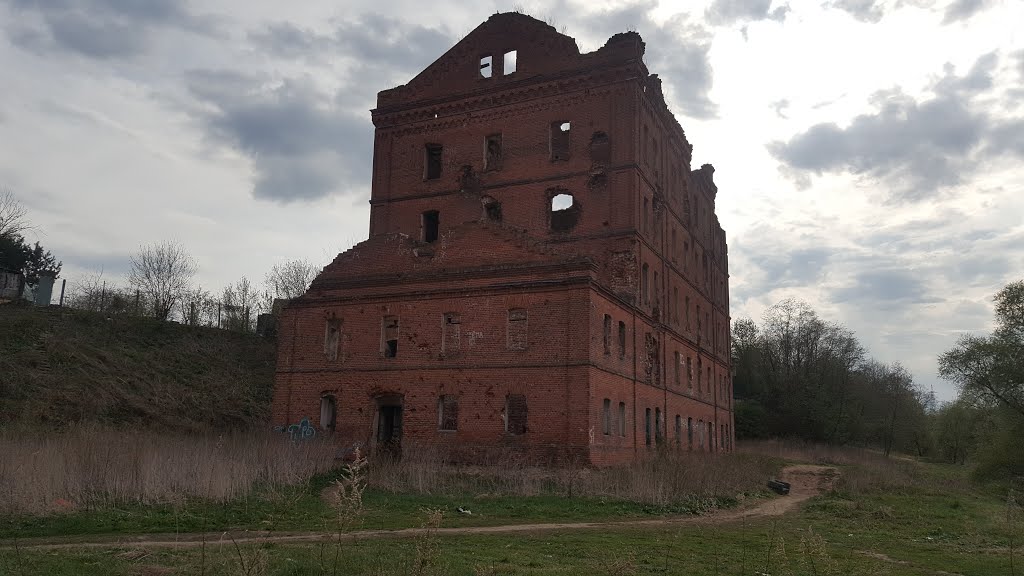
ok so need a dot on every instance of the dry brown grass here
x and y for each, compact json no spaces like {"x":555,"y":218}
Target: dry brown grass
{"x":89,"y":466}
{"x":669,"y":477}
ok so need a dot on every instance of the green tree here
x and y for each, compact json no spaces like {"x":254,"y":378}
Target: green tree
{"x":990,"y":369}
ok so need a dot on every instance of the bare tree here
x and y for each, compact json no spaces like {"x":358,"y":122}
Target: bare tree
{"x":162,"y":272}
{"x":291,"y":279}
{"x":242,"y":303}
{"x":13,"y":215}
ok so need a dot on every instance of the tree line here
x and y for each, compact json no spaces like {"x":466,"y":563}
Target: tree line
{"x":797,"y":375}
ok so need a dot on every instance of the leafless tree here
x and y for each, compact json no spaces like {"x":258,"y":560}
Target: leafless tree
{"x":242,"y":303}
{"x":291,"y":279}
{"x":13,"y":215}
{"x":162,"y":273}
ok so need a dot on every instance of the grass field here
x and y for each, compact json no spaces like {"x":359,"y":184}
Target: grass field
{"x":881,"y":517}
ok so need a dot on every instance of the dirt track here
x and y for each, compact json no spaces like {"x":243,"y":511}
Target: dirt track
{"x":806,"y":481}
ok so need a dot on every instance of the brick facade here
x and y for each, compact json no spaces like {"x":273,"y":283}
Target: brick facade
{"x":543,"y":271}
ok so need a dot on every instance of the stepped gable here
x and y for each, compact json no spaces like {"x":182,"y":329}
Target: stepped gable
{"x":541,"y":51}
{"x":481,"y":244}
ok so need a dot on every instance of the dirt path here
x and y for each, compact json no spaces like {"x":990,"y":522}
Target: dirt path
{"x":806,"y":481}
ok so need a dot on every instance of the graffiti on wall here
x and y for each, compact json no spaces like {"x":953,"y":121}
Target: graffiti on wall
{"x":301,"y":431}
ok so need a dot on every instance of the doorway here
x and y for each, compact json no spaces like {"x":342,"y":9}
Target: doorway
{"x":389,"y":425}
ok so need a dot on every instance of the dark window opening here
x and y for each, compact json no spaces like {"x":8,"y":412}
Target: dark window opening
{"x":517,"y":329}
{"x":607,"y":334}
{"x":647,"y":426}
{"x":659,"y":426}
{"x":492,"y":209}
{"x":600,"y":149}
{"x":644,"y":290}
{"x":390,"y":336}
{"x":448,"y":413}
{"x":509,"y":62}
{"x":431,"y":223}
{"x":515,"y":414}
{"x":492,"y":152}
{"x":434,"y":154}
{"x":560,"y":140}
{"x":622,"y":339}
{"x":485,"y":67}
{"x":328,"y":412}
{"x":606,"y":417}
{"x":689,"y":432}
{"x":679,"y":430}
{"x":689,"y":371}
{"x":565,"y":212}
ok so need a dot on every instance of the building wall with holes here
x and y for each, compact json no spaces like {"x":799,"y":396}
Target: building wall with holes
{"x":469,"y":158}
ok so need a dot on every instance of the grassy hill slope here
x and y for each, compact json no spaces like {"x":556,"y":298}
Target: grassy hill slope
{"x":60,"y":366}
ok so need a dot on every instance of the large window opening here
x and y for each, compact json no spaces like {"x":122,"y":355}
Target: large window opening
{"x":515,"y":414}
{"x":448,"y":413}
{"x":431,"y":221}
{"x":606,"y":417}
{"x":509,"y":62}
{"x":607,"y":334}
{"x":622,"y":339}
{"x":565,"y":212}
{"x":389,"y":332}
{"x":560,"y":140}
{"x":486,"y":68}
{"x":332,"y":339}
{"x":328,"y":412}
{"x":492,"y":152}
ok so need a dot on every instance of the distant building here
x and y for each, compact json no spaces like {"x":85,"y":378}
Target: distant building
{"x":545,"y":274}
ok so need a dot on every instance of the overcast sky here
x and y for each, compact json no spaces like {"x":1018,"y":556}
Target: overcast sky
{"x":868,"y":153}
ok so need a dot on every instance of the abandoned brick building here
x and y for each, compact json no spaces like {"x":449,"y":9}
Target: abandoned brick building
{"x":544,"y":272}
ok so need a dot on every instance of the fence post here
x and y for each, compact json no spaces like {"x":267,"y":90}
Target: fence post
{"x":218,"y":314}
{"x":63,"y":285}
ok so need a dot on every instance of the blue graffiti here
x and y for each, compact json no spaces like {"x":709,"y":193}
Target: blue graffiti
{"x":301,"y":431}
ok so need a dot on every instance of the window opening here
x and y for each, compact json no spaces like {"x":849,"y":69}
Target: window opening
{"x":509,"y":63}
{"x":565,"y":211}
{"x":644,"y":291}
{"x":607,"y":334}
{"x":431,"y":221}
{"x":328,"y":412}
{"x":492,"y":152}
{"x":390,"y":336}
{"x":434,"y":153}
{"x":515,"y":414}
{"x":659,"y":426}
{"x":622,"y":419}
{"x":689,"y":371}
{"x":448,"y":412}
{"x":679,"y":430}
{"x":689,"y":432}
{"x":332,"y":338}
{"x":560,"y":140}
{"x":517,"y":329}
{"x":622,"y":339}
{"x":607,"y":417}
{"x":485,"y":67}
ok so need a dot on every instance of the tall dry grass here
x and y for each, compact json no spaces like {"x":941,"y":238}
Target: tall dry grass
{"x":668,"y":478}
{"x":89,"y":466}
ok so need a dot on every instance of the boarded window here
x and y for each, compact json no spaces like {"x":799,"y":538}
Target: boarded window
{"x":332,"y":339}
{"x":515,"y":414}
{"x":431,"y":222}
{"x":606,"y":417}
{"x":328,"y":412}
{"x":492,"y":152}
{"x":622,"y":339}
{"x":517,"y":329}
{"x":433,"y":155}
{"x":607,"y":334}
{"x":560,"y":140}
{"x":450,"y":332}
{"x":622,"y":419}
{"x":647,"y":426}
{"x":511,"y":60}
{"x":486,"y":66}
{"x":448,"y":412}
{"x":389,"y":336}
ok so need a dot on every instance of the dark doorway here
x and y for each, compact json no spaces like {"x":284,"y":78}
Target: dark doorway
{"x":389,"y":429}
{"x":431,"y":224}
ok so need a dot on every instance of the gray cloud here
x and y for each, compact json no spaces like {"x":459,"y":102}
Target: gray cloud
{"x":916,"y":146}
{"x":100,"y":29}
{"x":960,"y":10}
{"x":863,"y":10}
{"x":725,"y":12}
